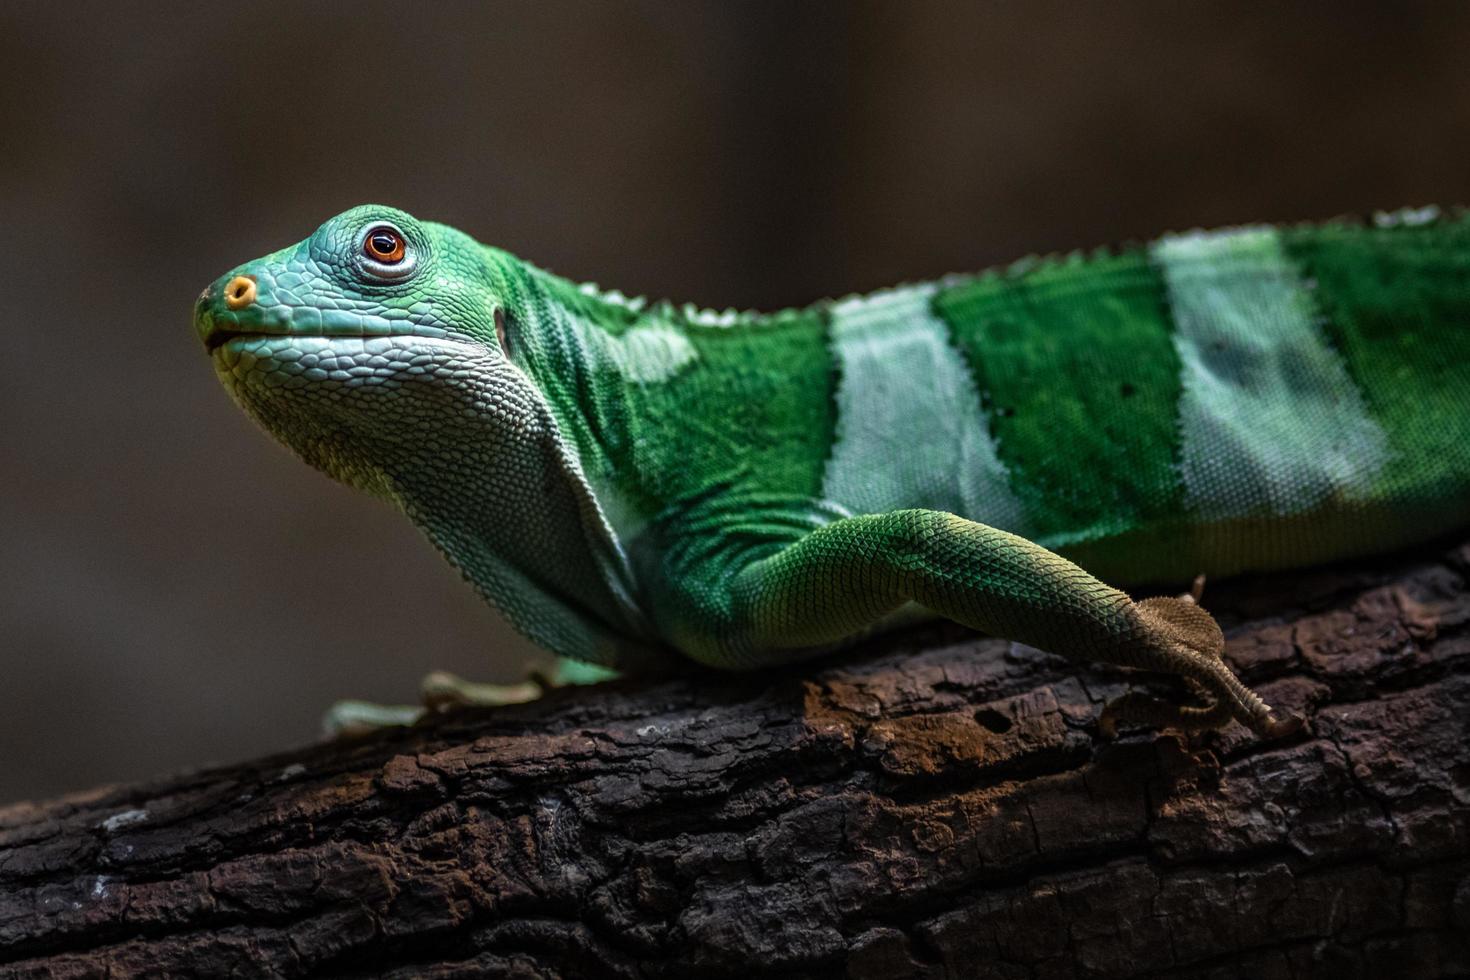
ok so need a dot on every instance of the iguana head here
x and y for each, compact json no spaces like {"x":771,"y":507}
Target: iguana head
{"x":376,"y":349}
{"x":345,"y":344}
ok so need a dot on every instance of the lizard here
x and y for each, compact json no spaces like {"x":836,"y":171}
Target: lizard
{"x":629,"y":482}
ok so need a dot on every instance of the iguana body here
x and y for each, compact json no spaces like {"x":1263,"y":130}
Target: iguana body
{"x":628,"y":480}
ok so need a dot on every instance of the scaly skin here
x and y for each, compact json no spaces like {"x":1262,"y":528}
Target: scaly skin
{"x":630,"y":481}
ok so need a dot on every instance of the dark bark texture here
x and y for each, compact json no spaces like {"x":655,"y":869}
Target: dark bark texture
{"x":931,"y":805}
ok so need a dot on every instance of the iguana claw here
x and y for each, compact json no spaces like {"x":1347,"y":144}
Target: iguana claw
{"x":1280,"y":724}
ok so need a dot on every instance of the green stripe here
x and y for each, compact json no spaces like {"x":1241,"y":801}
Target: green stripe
{"x":747,"y":409}
{"x":1079,"y":380}
{"x":1271,"y":422}
{"x":908,"y":433}
{"x":1397,"y":303}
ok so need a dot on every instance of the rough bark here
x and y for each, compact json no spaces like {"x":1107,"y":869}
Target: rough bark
{"x":932,"y":805}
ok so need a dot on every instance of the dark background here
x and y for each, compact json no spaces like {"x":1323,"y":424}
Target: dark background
{"x":175,"y":588}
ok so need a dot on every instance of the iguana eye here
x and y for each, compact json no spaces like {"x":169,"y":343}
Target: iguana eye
{"x":384,"y":245}
{"x":385,"y":255}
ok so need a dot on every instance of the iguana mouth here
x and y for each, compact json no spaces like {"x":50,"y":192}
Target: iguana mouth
{"x":218,"y":337}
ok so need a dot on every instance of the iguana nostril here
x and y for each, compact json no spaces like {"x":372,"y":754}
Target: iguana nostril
{"x":240,"y":292}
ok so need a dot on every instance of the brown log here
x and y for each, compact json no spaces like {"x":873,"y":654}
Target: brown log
{"x":931,"y":805}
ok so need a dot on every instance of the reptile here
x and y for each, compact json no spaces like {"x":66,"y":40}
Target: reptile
{"x":630,"y":481}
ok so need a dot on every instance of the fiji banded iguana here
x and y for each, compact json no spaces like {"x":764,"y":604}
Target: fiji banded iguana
{"x":628,"y":480}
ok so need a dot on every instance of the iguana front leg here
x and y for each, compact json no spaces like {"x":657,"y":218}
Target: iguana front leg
{"x":843,"y":576}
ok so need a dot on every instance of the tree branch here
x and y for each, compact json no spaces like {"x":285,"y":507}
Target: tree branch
{"x":931,"y":805}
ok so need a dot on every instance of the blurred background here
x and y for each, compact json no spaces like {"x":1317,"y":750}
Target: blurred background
{"x":176,"y":589}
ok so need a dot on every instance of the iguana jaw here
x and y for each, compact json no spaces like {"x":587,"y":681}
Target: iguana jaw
{"x":218,"y":337}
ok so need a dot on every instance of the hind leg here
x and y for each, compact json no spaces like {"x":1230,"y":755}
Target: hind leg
{"x":841,"y":577}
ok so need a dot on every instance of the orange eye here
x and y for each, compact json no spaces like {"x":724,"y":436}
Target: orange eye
{"x":384,"y":245}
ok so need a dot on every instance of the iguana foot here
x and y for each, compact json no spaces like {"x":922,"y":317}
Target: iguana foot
{"x":442,"y":691}
{"x":351,"y":719}
{"x":438,"y":691}
{"x":1279,"y":724}
{"x":1138,"y":709}
{"x":1179,"y":637}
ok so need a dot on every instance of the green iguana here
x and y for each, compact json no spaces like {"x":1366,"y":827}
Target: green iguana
{"x":628,"y":480}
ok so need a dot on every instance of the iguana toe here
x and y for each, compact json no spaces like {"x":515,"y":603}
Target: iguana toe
{"x":1279,"y":724}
